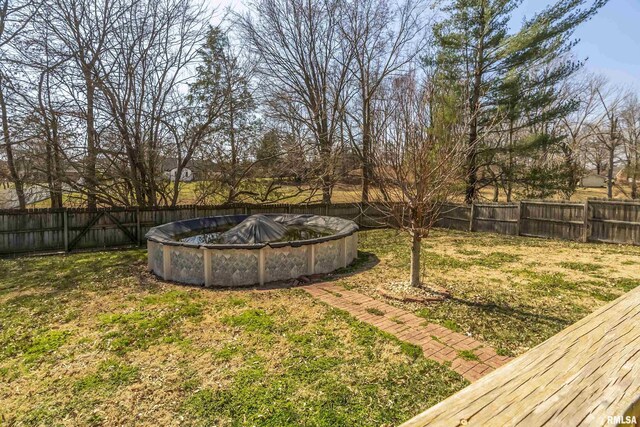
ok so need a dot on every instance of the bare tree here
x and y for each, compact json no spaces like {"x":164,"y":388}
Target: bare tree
{"x":86,"y":29}
{"x":140,"y":78}
{"x":608,"y":133}
{"x":419,"y":158}
{"x":304,"y":61}
{"x":584,"y":90}
{"x":15,"y":16}
{"x":384,"y":37}
{"x":630,"y":130}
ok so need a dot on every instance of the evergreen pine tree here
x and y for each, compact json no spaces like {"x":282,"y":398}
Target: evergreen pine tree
{"x":479,"y":54}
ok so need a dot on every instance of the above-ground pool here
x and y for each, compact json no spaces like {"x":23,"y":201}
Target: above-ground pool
{"x":240,"y":250}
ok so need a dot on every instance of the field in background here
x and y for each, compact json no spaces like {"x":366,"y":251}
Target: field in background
{"x":342,"y":193}
{"x":93,"y":339}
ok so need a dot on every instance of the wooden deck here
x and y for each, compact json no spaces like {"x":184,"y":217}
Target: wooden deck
{"x":581,"y":376}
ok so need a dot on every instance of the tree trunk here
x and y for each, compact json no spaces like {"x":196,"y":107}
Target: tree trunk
{"x":472,"y":167}
{"x":366,"y":150}
{"x":234,"y":153}
{"x":415,"y":260}
{"x":13,"y":171}
{"x":90,"y":165}
{"x":610,"y":175}
{"x":634,"y":177}
{"x":326,"y":175}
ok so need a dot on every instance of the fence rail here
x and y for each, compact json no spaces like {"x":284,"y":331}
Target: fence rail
{"x":51,"y":230}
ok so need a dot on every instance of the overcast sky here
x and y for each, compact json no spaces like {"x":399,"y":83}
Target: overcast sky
{"x":610,"y":41}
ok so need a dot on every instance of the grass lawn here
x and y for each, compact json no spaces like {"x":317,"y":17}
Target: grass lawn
{"x":511,"y":292}
{"x":92,"y":339}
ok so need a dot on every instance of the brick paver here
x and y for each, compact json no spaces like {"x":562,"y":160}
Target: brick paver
{"x":437,"y":342}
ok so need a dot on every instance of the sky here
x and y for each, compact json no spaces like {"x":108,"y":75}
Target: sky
{"x":609,"y":42}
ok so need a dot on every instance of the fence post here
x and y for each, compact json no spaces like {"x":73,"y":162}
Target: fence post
{"x":138,"y":227}
{"x":585,"y":226}
{"x":519,"y":218}
{"x":65,"y":227}
{"x":472,"y":215}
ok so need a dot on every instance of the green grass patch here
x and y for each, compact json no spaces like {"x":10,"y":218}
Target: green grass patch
{"x":602,"y":294}
{"x":235,"y":301}
{"x":584,"y":267}
{"x":549,"y":283}
{"x":468,"y":355}
{"x":110,"y":374}
{"x":44,"y":345}
{"x":227,"y":352}
{"x":251,"y":320}
{"x":626,"y":284}
{"x":411,"y":350}
{"x":157,"y":319}
{"x":424,"y":312}
{"x":496,"y":259}
{"x":439,"y":261}
{"x":375,"y":311}
{"x":452,"y":325}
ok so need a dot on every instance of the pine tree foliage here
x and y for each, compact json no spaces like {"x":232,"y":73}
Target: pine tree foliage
{"x":510,"y":78}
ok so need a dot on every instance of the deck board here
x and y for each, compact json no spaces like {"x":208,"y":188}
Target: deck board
{"x":581,"y":376}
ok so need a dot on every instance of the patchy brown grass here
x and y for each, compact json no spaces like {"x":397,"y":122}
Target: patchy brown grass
{"x":511,"y":292}
{"x":92,"y":339}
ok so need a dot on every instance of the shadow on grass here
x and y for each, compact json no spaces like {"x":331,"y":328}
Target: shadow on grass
{"x":506,"y":311}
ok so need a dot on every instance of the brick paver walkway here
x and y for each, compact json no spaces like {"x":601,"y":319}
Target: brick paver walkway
{"x":437,"y":342}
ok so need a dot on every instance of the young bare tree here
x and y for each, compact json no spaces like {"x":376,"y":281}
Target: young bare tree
{"x":419,"y":158}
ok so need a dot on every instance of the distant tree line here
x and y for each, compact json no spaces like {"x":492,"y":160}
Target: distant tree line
{"x":292,"y":97}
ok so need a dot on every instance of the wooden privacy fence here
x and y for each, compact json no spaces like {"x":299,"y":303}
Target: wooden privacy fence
{"x":49,"y":230}
{"x":605,"y":221}
{"x":53,"y":230}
